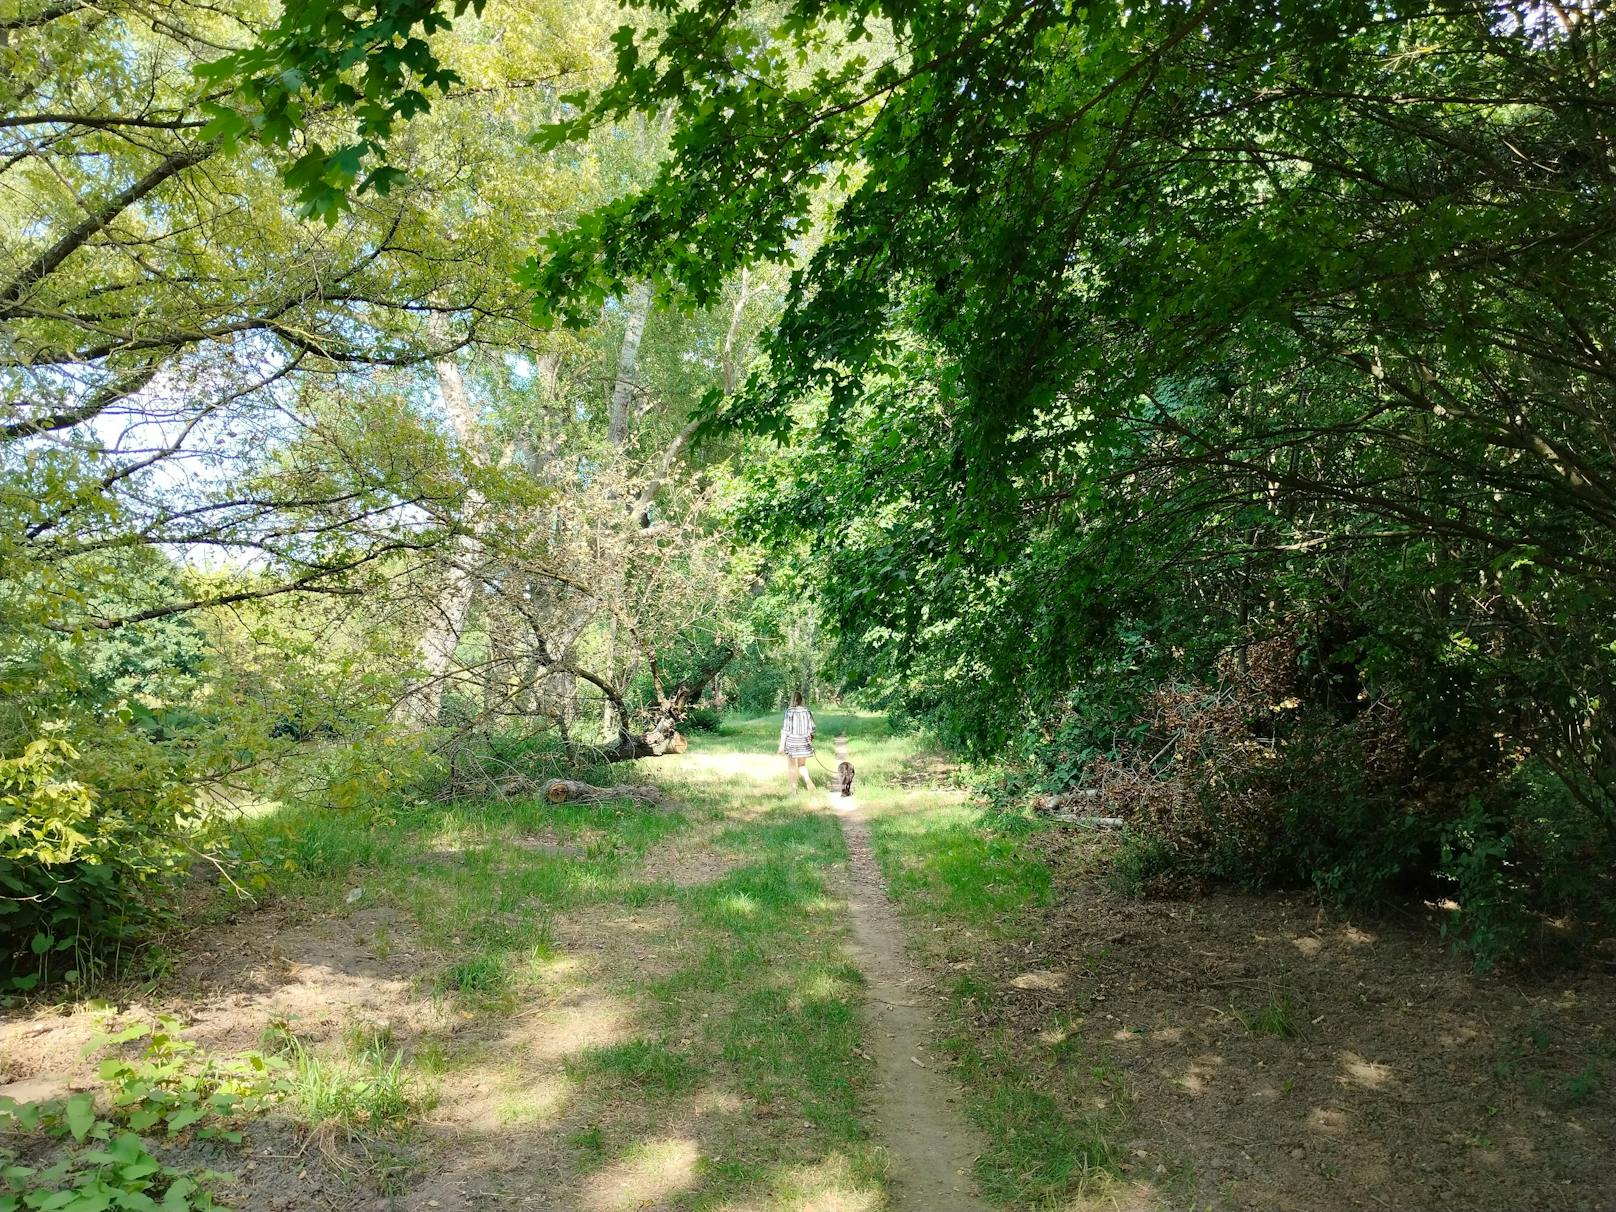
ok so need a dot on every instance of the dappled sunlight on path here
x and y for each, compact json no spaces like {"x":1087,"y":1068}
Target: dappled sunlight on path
{"x":601,"y":1009}
{"x":653,"y":1171}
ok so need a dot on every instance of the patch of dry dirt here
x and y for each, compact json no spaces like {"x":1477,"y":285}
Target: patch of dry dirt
{"x":315,"y":975}
{"x":504,"y":1133}
{"x":933,"y":769}
{"x":688,"y":866}
{"x":272,"y":964}
{"x":500,"y":1132}
{"x":1411,"y":1083}
{"x":278,"y":963}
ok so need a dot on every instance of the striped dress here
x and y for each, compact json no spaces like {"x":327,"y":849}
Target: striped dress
{"x":797,"y":732}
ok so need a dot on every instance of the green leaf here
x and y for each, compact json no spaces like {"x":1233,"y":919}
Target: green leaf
{"x":140,"y":1169}
{"x":185,"y":1117}
{"x":24,"y":1115}
{"x":80,"y":1115}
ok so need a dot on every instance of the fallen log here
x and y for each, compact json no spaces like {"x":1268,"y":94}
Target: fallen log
{"x":659,"y":742}
{"x":1092,"y":822}
{"x":567,"y":791}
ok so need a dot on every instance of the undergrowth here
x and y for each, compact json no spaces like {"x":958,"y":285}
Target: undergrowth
{"x":101,"y":1160}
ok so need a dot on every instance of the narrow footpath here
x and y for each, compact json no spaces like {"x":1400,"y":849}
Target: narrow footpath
{"x":916,"y":1105}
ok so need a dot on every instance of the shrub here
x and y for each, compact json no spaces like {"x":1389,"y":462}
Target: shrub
{"x":103,"y":1157}
{"x":90,"y":842}
{"x":702,"y":719}
{"x":1250,"y":783}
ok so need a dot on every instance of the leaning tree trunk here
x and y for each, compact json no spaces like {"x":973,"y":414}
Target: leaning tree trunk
{"x":639,"y":308}
{"x":662,"y":736}
{"x":628,"y":357}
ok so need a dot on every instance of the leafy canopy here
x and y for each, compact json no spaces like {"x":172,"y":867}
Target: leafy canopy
{"x":365,"y":60}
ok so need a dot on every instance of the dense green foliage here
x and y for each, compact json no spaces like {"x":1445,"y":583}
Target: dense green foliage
{"x":1199,"y":404}
{"x":1139,"y":339}
{"x":1305,"y":370}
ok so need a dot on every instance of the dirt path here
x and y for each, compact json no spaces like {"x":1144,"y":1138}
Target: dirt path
{"x":915,"y":1104}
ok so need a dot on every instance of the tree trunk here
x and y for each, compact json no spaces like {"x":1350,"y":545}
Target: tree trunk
{"x":729,"y":367}
{"x":663,"y":736}
{"x":639,"y":307}
{"x":435,"y":653}
{"x":608,"y":713}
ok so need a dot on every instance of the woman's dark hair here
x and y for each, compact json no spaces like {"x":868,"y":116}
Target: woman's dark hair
{"x":796,"y":698}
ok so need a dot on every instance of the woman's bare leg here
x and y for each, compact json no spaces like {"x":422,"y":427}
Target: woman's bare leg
{"x":802,"y":765}
{"x":791,"y":773}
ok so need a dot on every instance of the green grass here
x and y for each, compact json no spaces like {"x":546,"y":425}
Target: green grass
{"x":746,"y":995}
{"x":1038,"y":1151}
{"x":366,"y":1040}
{"x":372,"y":1091}
{"x":1581,"y":1086}
{"x":1052,"y":1124}
{"x":959,"y":873}
{"x":642,"y":1063}
{"x":717,"y":1028}
{"x":1277,"y":1018}
{"x":479,"y":974}
{"x":759,"y":971}
{"x":590,"y":1141}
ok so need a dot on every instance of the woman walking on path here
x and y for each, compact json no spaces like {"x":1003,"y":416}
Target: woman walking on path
{"x":797,"y":741}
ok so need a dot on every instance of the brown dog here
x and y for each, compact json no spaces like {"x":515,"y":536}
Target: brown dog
{"x":844,"y":772}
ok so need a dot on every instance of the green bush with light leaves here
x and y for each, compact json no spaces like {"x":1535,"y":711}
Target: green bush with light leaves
{"x":89,"y":840}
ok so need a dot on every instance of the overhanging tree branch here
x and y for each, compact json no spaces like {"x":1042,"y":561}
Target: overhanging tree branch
{"x":172,"y":164}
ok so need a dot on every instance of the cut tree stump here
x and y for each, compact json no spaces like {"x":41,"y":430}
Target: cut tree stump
{"x":566,"y":791}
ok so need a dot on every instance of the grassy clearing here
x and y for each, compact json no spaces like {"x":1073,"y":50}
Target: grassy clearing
{"x":657,"y":1007}
{"x":754,"y":976}
{"x":681,"y":977}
